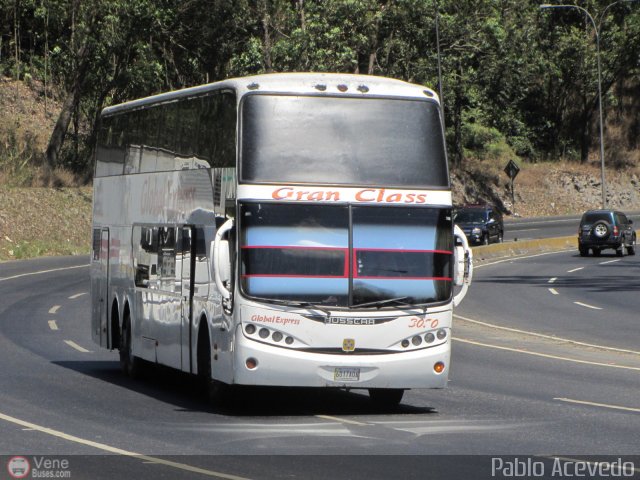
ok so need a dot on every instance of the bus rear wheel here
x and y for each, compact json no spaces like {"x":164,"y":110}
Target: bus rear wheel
{"x":130,"y":364}
{"x":386,"y":397}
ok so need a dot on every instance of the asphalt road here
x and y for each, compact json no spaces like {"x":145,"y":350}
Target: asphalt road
{"x":512,"y":392}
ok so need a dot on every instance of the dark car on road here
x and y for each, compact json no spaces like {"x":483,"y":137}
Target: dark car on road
{"x":602,"y":229}
{"x":482,"y":224}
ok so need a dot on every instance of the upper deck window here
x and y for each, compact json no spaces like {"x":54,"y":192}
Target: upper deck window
{"x":342,"y":141}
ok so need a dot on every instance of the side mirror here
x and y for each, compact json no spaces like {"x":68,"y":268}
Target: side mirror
{"x":221,"y":260}
{"x":463,"y":264}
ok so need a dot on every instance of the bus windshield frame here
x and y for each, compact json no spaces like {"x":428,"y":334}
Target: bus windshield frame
{"x":343,"y":256}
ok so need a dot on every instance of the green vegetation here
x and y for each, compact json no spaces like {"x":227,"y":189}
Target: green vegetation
{"x":517,"y":80}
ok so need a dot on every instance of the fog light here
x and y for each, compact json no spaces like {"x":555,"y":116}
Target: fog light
{"x":441,"y":334}
{"x":251,"y":363}
{"x":288,"y":340}
{"x":429,"y":338}
{"x":264,"y":333}
{"x":405,"y":343}
{"x":277,"y":336}
{"x":416,"y":340}
{"x":438,"y":367}
{"x":250,"y":329}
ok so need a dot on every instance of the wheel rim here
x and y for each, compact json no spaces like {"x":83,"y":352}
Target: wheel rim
{"x":601,"y":230}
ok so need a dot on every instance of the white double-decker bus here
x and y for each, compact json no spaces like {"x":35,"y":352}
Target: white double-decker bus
{"x":284,"y":230}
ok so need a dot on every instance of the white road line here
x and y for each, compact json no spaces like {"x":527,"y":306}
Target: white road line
{"x":602,"y":405}
{"x":552,"y":280}
{"x":554,"y":291}
{"x":53,"y":325}
{"x":342,"y":420}
{"x":41,"y":272}
{"x":587,"y":306}
{"x":549,"y":337}
{"x":575,"y":270}
{"x":77,"y":295}
{"x":53,"y":310}
{"x":73,"y":344}
{"x":119,"y":451}
{"x":609,"y":261}
{"x":523,"y":257}
{"x":546,"y":355}
{"x":523,"y":230}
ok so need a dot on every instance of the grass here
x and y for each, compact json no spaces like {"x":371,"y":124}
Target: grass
{"x":38,"y":222}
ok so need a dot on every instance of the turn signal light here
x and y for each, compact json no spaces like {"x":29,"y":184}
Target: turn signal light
{"x":438,"y":367}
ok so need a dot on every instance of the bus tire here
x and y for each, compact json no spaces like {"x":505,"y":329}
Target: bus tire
{"x":386,"y":397}
{"x":216,"y":393}
{"x":130,"y":364}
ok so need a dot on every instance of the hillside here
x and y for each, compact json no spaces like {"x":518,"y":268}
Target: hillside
{"x":37,"y":221}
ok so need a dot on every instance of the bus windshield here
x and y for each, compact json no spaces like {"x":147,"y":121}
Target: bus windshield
{"x":342,"y":141}
{"x":315,"y":254}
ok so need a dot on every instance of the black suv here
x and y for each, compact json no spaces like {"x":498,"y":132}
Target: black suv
{"x":601,"y":229}
{"x":482,"y":224}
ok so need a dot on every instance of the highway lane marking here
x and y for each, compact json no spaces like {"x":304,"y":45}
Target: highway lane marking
{"x":53,"y":310}
{"x":523,"y":230}
{"x":549,"y":337}
{"x":73,"y":344}
{"x":77,"y":295}
{"x":587,"y":306}
{"x":545,"y":355}
{"x":53,"y":325}
{"x":575,"y":270}
{"x":523,"y":257}
{"x":609,"y":261}
{"x":342,"y":420}
{"x":554,"y":291}
{"x":602,"y":405}
{"x":552,"y":280}
{"x":41,"y":272}
{"x":119,"y":451}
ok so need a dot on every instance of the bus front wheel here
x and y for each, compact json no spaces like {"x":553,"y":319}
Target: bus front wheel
{"x":386,"y":397}
{"x":217,"y":393}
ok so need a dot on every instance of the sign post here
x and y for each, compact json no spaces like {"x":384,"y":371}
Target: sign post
{"x":512,"y":169}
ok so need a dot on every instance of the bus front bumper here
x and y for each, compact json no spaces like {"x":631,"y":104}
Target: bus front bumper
{"x":277,"y":366}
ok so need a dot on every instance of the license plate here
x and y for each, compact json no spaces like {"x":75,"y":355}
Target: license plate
{"x":346,"y":374}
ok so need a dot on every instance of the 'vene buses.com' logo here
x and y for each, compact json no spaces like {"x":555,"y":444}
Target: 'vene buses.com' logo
{"x":18,"y":467}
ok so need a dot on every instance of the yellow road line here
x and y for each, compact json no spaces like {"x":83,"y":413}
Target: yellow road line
{"x":549,"y":337}
{"x":73,"y":344}
{"x":53,"y":325}
{"x":602,"y":405}
{"x":118,"y":451}
{"x":53,"y":310}
{"x":554,"y":291}
{"x":342,"y":420}
{"x":41,"y":272}
{"x":546,"y":355}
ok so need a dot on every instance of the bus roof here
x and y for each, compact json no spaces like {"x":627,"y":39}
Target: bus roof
{"x":296,"y":83}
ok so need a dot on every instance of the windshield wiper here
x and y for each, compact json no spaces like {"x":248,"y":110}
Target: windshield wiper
{"x":382,"y":303}
{"x":293,"y":303}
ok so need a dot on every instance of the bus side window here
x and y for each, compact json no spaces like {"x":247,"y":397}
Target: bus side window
{"x":167,"y":258}
{"x":145,"y":254}
{"x":201,"y":280}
